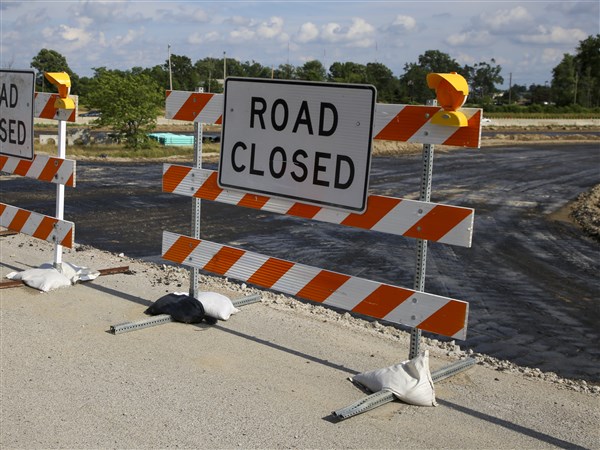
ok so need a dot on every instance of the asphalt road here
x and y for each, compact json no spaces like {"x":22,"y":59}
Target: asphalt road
{"x":530,"y":279}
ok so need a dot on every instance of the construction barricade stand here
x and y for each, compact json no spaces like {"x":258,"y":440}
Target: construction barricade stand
{"x":62,"y":108}
{"x":422,"y":220}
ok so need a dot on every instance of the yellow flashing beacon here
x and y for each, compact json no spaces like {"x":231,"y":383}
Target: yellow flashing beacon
{"x":451,"y":90}
{"x":62,"y":81}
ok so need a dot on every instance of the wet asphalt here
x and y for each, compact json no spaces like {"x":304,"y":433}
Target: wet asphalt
{"x":531,"y":276}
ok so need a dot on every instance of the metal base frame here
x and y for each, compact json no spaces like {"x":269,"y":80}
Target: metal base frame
{"x":382,"y":397}
{"x":165,"y":318}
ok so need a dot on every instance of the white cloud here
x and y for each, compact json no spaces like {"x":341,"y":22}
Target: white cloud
{"x":183,"y":14}
{"x":553,"y":35}
{"x":359,"y":34}
{"x":403,"y":24}
{"x":473,"y":38}
{"x":271,"y":29}
{"x":506,"y":20}
{"x":308,"y":32}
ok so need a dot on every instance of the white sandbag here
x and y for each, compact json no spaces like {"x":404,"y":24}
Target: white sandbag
{"x":217,"y":305}
{"x":410,"y":381}
{"x":47,"y":278}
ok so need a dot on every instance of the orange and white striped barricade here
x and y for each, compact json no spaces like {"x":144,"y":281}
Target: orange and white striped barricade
{"x":44,"y":107}
{"x":59,"y":232}
{"x":394,"y":304}
{"x":45,"y":168}
{"x":42,"y":167}
{"x":420,"y":220}
{"x":404,"y":123}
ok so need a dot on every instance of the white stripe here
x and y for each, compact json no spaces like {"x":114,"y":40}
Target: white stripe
{"x":246,"y":266}
{"x":295,"y":279}
{"x":351,"y":293}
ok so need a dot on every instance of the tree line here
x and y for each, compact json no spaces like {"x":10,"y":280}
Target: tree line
{"x":131,"y":99}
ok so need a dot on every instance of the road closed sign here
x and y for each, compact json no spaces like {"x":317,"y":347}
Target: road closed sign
{"x":300,"y":140}
{"x":16,"y":113}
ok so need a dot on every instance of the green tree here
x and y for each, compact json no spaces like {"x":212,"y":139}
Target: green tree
{"x":129,"y":103}
{"x":51,"y":61}
{"x":348,"y":72}
{"x":184,"y":75}
{"x":587,"y":61}
{"x":384,"y":81}
{"x":564,"y":81}
{"x":312,"y":71}
{"x":285,"y":72}
{"x":413,"y":83}
{"x":483,"y":78}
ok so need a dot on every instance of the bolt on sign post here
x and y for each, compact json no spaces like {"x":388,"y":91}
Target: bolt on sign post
{"x":16,"y":113}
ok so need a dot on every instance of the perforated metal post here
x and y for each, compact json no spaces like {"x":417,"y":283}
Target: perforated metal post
{"x":421,"y":258}
{"x":196,"y":204}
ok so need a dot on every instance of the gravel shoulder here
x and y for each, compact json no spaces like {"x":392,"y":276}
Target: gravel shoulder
{"x":267,"y":378}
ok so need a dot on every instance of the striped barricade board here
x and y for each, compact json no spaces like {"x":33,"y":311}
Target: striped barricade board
{"x":405,"y":123}
{"x":43,"y":227}
{"x":44,"y":108}
{"x":394,"y":304}
{"x":42,"y":167}
{"x":421,"y":220}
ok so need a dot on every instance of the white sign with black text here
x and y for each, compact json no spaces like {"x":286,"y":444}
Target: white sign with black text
{"x":299,"y":140}
{"x":16,"y":113}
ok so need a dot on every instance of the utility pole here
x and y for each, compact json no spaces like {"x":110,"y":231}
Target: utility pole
{"x":170,"y":74}
{"x":224,"y":67}
{"x":510,"y":88}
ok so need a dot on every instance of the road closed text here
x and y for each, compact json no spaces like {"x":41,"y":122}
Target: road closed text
{"x":300,"y":141}
{"x":321,"y":168}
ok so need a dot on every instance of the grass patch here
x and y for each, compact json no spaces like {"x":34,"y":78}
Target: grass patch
{"x":120,"y":151}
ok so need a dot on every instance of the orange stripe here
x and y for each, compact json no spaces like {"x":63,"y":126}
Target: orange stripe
{"x":322,"y":286}
{"x":209,"y":190}
{"x":253,"y":201}
{"x":181,"y":249}
{"x":50,"y":169}
{"x":3,"y":160}
{"x":2,"y":208}
{"x":468,"y":136}
{"x":22,"y":167}
{"x":49,"y":111}
{"x":19,"y":220}
{"x":222,"y":261}
{"x":303,"y":210}
{"x":406,"y":123}
{"x":194,"y":104}
{"x":68,"y":240}
{"x":173,"y":177}
{"x":70,"y":181}
{"x":377,"y":208}
{"x":219,"y":121}
{"x":437,"y":222}
{"x":270,"y":272}
{"x":382,"y":301}
{"x":448,"y":320}
{"x":167,"y":92}
{"x":45,"y":228}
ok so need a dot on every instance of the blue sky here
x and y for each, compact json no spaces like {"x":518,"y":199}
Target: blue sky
{"x":526,"y":38}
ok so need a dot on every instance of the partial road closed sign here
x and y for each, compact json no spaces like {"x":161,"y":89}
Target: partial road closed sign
{"x":16,"y":113}
{"x":299,"y":140}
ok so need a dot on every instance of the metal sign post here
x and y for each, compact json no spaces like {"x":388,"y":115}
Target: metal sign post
{"x":196,"y":203}
{"x":421,"y":260}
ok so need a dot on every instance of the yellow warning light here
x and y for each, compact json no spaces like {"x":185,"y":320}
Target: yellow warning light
{"x":62,"y":81}
{"x":451,"y":90}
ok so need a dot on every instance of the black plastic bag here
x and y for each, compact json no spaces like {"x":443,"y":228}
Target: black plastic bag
{"x":181,"y":308}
